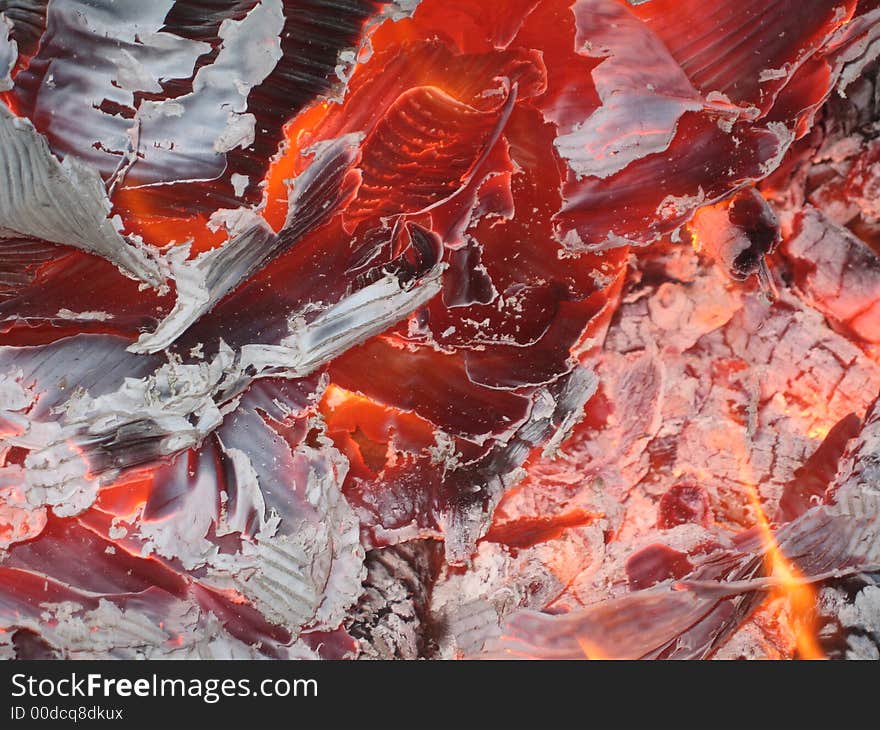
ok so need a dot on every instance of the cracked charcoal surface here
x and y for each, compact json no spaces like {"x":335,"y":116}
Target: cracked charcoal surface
{"x":391,"y":620}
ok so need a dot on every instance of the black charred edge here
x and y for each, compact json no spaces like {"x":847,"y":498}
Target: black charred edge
{"x":841,"y":639}
{"x":28,"y":645}
{"x":421,"y":255}
{"x":391,"y":620}
{"x":321,"y":28}
{"x":750,"y":213}
{"x":123,"y":447}
{"x":28,"y":22}
{"x":20,"y":259}
{"x":812,"y":479}
{"x":198,"y":21}
{"x":858,"y":110}
{"x":315,"y":32}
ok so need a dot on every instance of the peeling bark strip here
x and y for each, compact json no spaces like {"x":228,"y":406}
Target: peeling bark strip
{"x":205,"y":281}
{"x":339,"y":328}
{"x":61,"y":202}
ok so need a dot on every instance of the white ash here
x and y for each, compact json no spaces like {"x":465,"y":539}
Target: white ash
{"x":63,"y":202}
{"x":8,"y":53}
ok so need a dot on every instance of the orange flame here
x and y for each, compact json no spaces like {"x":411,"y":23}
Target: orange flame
{"x":590,"y":650}
{"x":793,"y":587}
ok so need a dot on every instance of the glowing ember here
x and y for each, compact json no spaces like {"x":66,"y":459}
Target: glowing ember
{"x":439,"y":328}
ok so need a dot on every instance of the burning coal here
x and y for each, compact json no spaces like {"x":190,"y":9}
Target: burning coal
{"x":546,"y":328}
